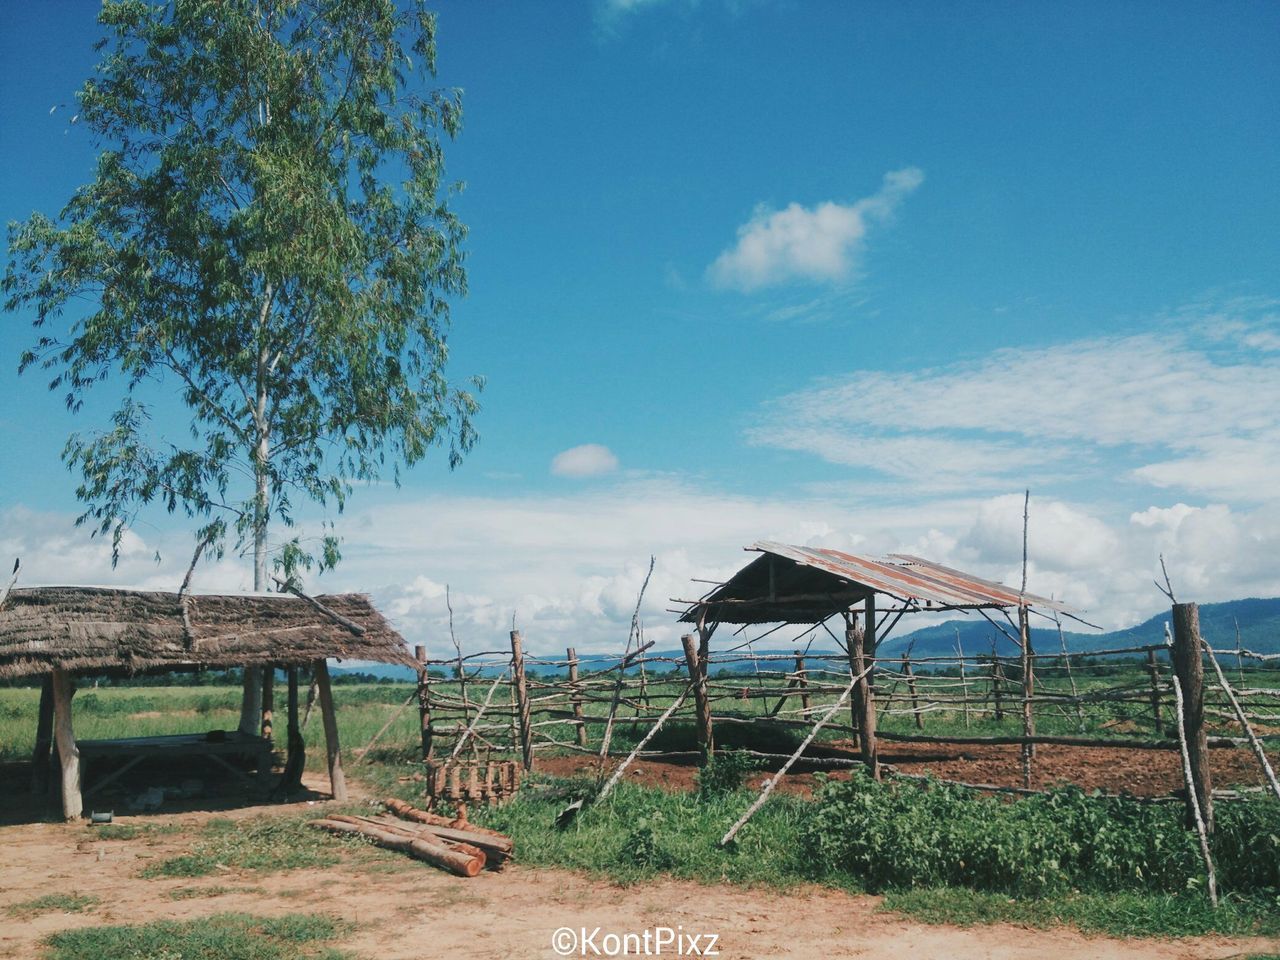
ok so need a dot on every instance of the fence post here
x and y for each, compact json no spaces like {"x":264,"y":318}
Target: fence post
{"x":424,"y":701}
{"x":1153,"y":670}
{"x":997,"y":685}
{"x":1028,"y":693}
{"x":337,"y":780}
{"x":861,"y":646}
{"x":1189,"y":668}
{"x":911,"y":689}
{"x":802,"y":681}
{"x":698,"y":676}
{"x":576,"y":696}
{"x":522,"y":700}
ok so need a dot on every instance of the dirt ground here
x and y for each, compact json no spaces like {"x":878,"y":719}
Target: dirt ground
{"x":411,"y":912}
{"x":1140,"y":772}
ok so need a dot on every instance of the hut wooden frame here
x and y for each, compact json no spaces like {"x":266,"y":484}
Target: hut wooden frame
{"x":62,"y":632}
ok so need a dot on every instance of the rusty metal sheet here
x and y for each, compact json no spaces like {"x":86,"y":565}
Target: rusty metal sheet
{"x":906,"y":578}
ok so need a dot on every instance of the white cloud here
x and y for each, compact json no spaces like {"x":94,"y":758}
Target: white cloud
{"x":1156,"y":408}
{"x":823,"y":244}
{"x":587,"y":460}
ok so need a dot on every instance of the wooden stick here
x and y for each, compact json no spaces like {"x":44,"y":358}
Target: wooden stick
{"x":522,"y":699}
{"x":1192,"y":800}
{"x":964,"y":681}
{"x":1244,"y":722}
{"x":773,"y":781}
{"x":1188,"y":667}
{"x":464,"y":865}
{"x":701,"y":703}
{"x":469,"y":832}
{"x":1153,"y":669}
{"x":424,"y":701}
{"x":576,"y":696}
{"x":44,"y":739}
{"x":617,"y":774}
{"x":337,"y":780}
{"x":416,"y":832}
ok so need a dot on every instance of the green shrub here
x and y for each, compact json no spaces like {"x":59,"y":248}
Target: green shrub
{"x":725,"y":773}
{"x":899,"y":836}
{"x":643,"y":845}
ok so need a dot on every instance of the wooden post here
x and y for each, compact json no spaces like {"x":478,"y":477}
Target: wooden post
{"x":1028,"y":692}
{"x":704,"y":667}
{"x":997,"y":687}
{"x":911,"y":689}
{"x":296,"y":759}
{"x":575,"y":696}
{"x":44,"y":740}
{"x":337,"y":780}
{"x":522,"y":700}
{"x":424,"y":700}
{"x":802,"y":681}
{"x":1153,"y":670}
{"x":268,"y":699}
{"x":1189,"y":668}
{"x":861,"y":646}
{"x":68,"y":752}
{"x":705,"y":742}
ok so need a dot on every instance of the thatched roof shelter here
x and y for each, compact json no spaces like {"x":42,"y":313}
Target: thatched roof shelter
{"x":97,"y":630}
{"x":61,"y":632}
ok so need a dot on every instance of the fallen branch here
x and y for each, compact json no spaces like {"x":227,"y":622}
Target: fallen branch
{"x":617,"y":774}
{"x":333,"y":615}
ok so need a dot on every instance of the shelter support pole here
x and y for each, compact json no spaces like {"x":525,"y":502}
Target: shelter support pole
{"x":575,"y":696}
{"x":521,"y":687}
{"x":251,"y":701}
{"x":337,"y":780}
{"x":424,"y":701}
{"x":44,"y":740}
{"x":1189,"y":669}
{"x":706,"y":743}
{"x":1028,"y":693}
{"x":268,"y":701}
{"x":860,"y":642}
{"x":911,"y":689}
{"x":68,"y":752}
{"x":296,"y":759}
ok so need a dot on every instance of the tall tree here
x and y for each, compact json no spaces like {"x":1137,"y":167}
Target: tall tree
{"x":268,"y":234}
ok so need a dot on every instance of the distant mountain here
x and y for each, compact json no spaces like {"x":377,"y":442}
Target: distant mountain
{"x":1259,"y":621}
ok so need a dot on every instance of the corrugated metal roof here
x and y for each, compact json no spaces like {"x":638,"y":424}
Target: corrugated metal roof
{"x":906,"y":578}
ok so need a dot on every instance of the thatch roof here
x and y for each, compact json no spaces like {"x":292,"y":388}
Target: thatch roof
{"x":98,"y":630}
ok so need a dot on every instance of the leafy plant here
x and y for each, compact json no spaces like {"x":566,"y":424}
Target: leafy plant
{"x":725,"y":773}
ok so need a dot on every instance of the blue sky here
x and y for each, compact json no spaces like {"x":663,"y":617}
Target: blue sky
{"x":853,"y":274}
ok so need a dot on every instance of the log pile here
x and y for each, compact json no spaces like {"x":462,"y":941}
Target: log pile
{"x":454,"y":845}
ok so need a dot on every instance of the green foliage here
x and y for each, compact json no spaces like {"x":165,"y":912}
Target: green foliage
{"x":725,"y":773}
{"x":267,"y":239}
{"x":896,"y":836}
{"x":263,"y":844}
{"x":225,"y":936}
{"x":52,"y":903}
{"x":643,"y":845}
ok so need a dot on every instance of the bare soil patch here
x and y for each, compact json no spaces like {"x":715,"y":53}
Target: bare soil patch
{"x":1139,"y":772}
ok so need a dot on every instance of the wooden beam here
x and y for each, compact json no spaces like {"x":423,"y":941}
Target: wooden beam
{"x":521,"y":689}
{"x":68,"y":752}
{"x":1189,"y":669}
{"x":706,"y":744}
{"x":424,"y":701}
{"x":337,"y":781}
{"x":576,"y":696}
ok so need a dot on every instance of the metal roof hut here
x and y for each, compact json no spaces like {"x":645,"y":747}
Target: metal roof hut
{"x":789,"y":584}
{"x":62,"y":632}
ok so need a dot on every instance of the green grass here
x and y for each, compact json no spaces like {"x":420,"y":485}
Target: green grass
{"x":131,"y":831}
{"x":213,"y":890}
{"x":226,"y":936}
{"x":262,"y":845}
{"x":1119,"y":915}
{"x":52,"y":903}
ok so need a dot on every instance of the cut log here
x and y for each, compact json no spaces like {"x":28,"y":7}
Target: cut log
{"x":491,"y":841}
{"x":463,"y":864}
